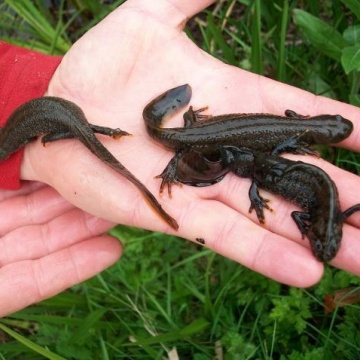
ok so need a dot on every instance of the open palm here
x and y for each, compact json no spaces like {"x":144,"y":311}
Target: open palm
{"x":132,"y":56}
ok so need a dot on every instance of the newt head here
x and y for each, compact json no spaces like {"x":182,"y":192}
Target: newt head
{"x":325,"y":238}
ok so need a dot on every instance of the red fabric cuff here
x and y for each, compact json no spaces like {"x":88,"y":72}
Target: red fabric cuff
{"x":24,"y":75}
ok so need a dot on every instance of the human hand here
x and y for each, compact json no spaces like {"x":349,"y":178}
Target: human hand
{"x":136,"y":53}
{"x":47,"y":245}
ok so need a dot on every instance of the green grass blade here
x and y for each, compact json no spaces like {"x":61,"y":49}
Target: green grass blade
{"x":38,"y":22}
{"x":30,"y":345}
{"x":256,"y":43}
{"x":219,"y":39}
{"x":196,"y":327}
{"x":282,"y":47}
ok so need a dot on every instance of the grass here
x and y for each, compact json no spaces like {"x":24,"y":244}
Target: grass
{"x":182,"y":298}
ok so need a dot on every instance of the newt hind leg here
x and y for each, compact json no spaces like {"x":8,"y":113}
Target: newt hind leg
{"x":193,"y":116}
{"x":258,"y":203}
{"x":292,"y":114}
{"x":71,"y":134}
{"x":114,"y":133}
{"x":295,"y":145}
{"x":351,"y":210}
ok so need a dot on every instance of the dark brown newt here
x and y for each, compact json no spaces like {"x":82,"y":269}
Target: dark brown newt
{"x":313,"y":190}
{"x":260,"y":132}
{"x":303,"y":184}
{"x":56,"y":119}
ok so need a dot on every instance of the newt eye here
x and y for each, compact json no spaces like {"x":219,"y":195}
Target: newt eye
{"x":318,"y":249}
{"x":333,"y":243}
{"x":330,"y":251}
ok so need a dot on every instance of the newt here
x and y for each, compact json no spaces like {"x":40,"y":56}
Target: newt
{"x":303,"y":184}
{"x":56,"y":118}
{"x":261,"y":132}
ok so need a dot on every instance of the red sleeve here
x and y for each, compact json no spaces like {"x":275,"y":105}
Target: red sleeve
{"x":24,"y":75}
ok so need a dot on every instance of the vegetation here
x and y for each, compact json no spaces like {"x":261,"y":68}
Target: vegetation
{"x":168,"y":296}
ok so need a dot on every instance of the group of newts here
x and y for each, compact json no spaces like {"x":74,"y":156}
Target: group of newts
{"x":206,"y":149}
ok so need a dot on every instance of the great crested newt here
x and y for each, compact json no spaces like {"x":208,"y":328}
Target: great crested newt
{"x":261,"y":132}
{"x":303,"y":184}
{"x":56,"y":119}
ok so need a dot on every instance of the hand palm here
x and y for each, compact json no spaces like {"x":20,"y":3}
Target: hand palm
{"x":112,"y":72}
